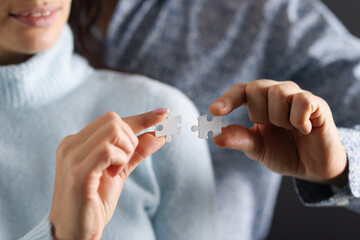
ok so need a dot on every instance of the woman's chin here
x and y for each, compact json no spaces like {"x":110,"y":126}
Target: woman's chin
{"x":33,"y":43}
{"x":18,"y":46}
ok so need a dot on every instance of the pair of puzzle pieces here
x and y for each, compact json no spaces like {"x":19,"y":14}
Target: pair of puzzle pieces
{"x":169,"y":127}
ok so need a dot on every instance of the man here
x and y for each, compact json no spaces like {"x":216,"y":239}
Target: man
{"x":205,"y":47}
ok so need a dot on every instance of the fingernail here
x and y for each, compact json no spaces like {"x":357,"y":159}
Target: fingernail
{"x":218,"y":104}
{"x":160,"y":111}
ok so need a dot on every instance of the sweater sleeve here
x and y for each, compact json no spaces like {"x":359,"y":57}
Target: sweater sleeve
{"x":312,"y":194}
{"x":184,"y":172}
{"x":314,"y":49}
{"x":41,"y":232}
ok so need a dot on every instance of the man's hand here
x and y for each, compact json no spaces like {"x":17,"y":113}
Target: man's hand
{"x":294,"y":133}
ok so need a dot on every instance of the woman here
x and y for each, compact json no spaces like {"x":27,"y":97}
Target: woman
{"x":48,"y":95}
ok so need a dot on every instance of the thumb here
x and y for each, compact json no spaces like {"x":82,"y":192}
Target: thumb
{"x":148,"y":144}
{"x":239,"y":138}
{"x":143,"y":121}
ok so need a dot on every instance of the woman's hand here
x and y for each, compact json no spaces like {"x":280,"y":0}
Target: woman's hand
{"x":294,"y":132}
{"x":91,"y":167}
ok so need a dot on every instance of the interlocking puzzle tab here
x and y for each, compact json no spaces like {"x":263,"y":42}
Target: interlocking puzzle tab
{"x":168,"y":127}
{"x":206,"y":126}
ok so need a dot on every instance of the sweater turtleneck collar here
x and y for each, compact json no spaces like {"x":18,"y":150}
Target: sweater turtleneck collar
{"x":45,"y":77}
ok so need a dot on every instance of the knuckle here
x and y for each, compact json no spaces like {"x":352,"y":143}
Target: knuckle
{"x":132,"y":137}
{"x":64,"y":146}
{"x":120,"y":139}
{"x":124,"y":159}
{"x":297,"y":122}
{"x":303,"y":98}
{"x":323,"y":102}
{"x":111,"y":116}
{"x":238,"y":85}
{"x":262,"y":80}
{"x":124,"y":173}
{"x":266,"y":81}
{"x":112,"y":128}
{"x":255,"y":83}
{"x":64,"y":142}
{"x":252,"y":88}
{"x":259,"y":85}
{"x":60,"y":152}
{"x":113,"y":131}
{"x":105,"y":153}
{"x":68,"y":138}
{"x":292,"y":84}
{"x":135,"y":142}
{"x":306,"y":94}
{"x":130,"y":148}
{"x":277,"y":91}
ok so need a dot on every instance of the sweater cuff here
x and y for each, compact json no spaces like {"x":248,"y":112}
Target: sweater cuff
{"x":313,"y":194}
{"x":319,"y":195}
{"x":41,"y":232}
{"x":351,"y":140}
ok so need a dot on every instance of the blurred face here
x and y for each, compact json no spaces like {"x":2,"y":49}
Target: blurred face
{"x":30,"y":26}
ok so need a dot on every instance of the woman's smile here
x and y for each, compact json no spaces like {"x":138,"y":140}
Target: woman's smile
{"x":30,"y":27}
{"x":37,"y":16}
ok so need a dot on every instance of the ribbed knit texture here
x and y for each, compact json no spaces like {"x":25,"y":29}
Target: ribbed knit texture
{"x":43,"y":78}
{"x":40,"y":232}
{"x":55,"y":94}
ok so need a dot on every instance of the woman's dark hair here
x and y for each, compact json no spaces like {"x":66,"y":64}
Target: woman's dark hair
{"x":83,"y":16}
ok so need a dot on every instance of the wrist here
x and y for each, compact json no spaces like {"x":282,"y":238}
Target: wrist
{"x":341,"y":180}
{"x":58,"y":234}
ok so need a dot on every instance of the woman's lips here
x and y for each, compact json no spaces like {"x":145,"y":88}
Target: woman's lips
{"x":37,"y":17}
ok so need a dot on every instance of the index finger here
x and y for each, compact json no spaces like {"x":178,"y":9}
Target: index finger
{"x":232,"y":99}
{"x":143,"y":121}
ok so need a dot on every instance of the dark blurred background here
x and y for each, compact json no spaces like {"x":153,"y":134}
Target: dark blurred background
{"x":294,"y":221}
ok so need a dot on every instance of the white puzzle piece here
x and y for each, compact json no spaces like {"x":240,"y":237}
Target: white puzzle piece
{"x":169,"y":127}
{"x":206,"y":126}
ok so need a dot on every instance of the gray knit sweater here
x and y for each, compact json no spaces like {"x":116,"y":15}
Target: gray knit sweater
{"x":204,"y":47}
